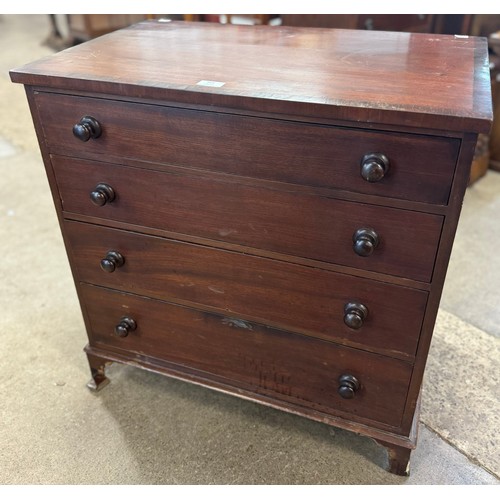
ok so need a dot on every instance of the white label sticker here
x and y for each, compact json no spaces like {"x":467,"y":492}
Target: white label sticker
{"x":210,"y":83}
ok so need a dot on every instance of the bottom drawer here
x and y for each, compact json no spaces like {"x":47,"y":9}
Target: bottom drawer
{"x":287,"y":366}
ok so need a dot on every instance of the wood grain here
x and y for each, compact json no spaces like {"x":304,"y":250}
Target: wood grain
{"x":256,"y":185}
{"x":426,"y":80}
{"x":307,"y":226}
{"x":268,"y":361}
{"x":288,"y":296}
{"x":361,"y":273}
{"x":421,"y":167}
{"x":459,"y":186}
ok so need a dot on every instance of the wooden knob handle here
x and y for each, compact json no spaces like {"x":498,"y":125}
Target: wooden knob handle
{"x":102,"y":194}
{"x":365,"y":241}
{"x":348,"y":386}
{"x":354,"y":315}
{"x":374,"y":166}
{"x":87,"y":128}
{"x":125,"y":326}
{"x":112,"y":260}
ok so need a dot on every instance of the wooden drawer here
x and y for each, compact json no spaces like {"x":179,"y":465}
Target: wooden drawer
{"x":291,"y":367}
{"x":289,"y":223}
{"x":421,"y":167}
{"x":288,"y":296}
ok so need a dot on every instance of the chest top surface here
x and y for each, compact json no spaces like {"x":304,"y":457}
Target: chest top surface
{"x":424,"y":80}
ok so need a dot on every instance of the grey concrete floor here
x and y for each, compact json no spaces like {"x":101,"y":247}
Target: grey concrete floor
{"x":147,"y":429}
{"x":472,"y":287}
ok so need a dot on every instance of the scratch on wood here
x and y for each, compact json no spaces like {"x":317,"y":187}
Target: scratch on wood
{"x":226,"y":232}
{"x":238,"y":323}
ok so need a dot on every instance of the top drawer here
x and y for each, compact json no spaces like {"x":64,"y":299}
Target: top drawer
{"x":420,"y":167}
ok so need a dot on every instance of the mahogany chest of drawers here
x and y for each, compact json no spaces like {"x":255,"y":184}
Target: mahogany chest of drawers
{"x":265,"y":211}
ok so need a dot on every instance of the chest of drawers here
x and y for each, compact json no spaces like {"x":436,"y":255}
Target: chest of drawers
{"x":265,"y":211}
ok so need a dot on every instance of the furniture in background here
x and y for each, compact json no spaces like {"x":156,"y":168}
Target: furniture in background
{"x":393,"y":22}
{"x":83,"y":27}
{"x":481,"y":160}
{"x":494,"y":138}
{"x":446,"y":24}
{"x":282,"y":236}
{"x":487,"y":155}
{"x":231,"y":18}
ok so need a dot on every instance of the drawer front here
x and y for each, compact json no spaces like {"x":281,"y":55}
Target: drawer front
{"x":288,"y":296}
{"x":291,"y":367}
{"x":421,"y":167}
{"x":289,"y":223}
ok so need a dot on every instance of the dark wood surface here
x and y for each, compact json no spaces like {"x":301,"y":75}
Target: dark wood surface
{"x":459,"y":186}
{"x":292,"y":367}
{"x":307,"y":226}
{"x":288,"y":296}
{"x":434,"y":81}
{"x":361,"y":273}
{"x":273,"y":236}
{"x":421,"y":167}
{"x":387,"y":22}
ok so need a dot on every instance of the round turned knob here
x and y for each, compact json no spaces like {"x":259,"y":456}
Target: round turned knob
{"x":365,"y":241}
{"x":125,"y":326}
{"x":354,"y":315}
{"x":374,"y":166}
{"x":102,"y":194}
{"x":87,"y":128}
{"x":348,"y":386}
{"x":112,"y":261}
